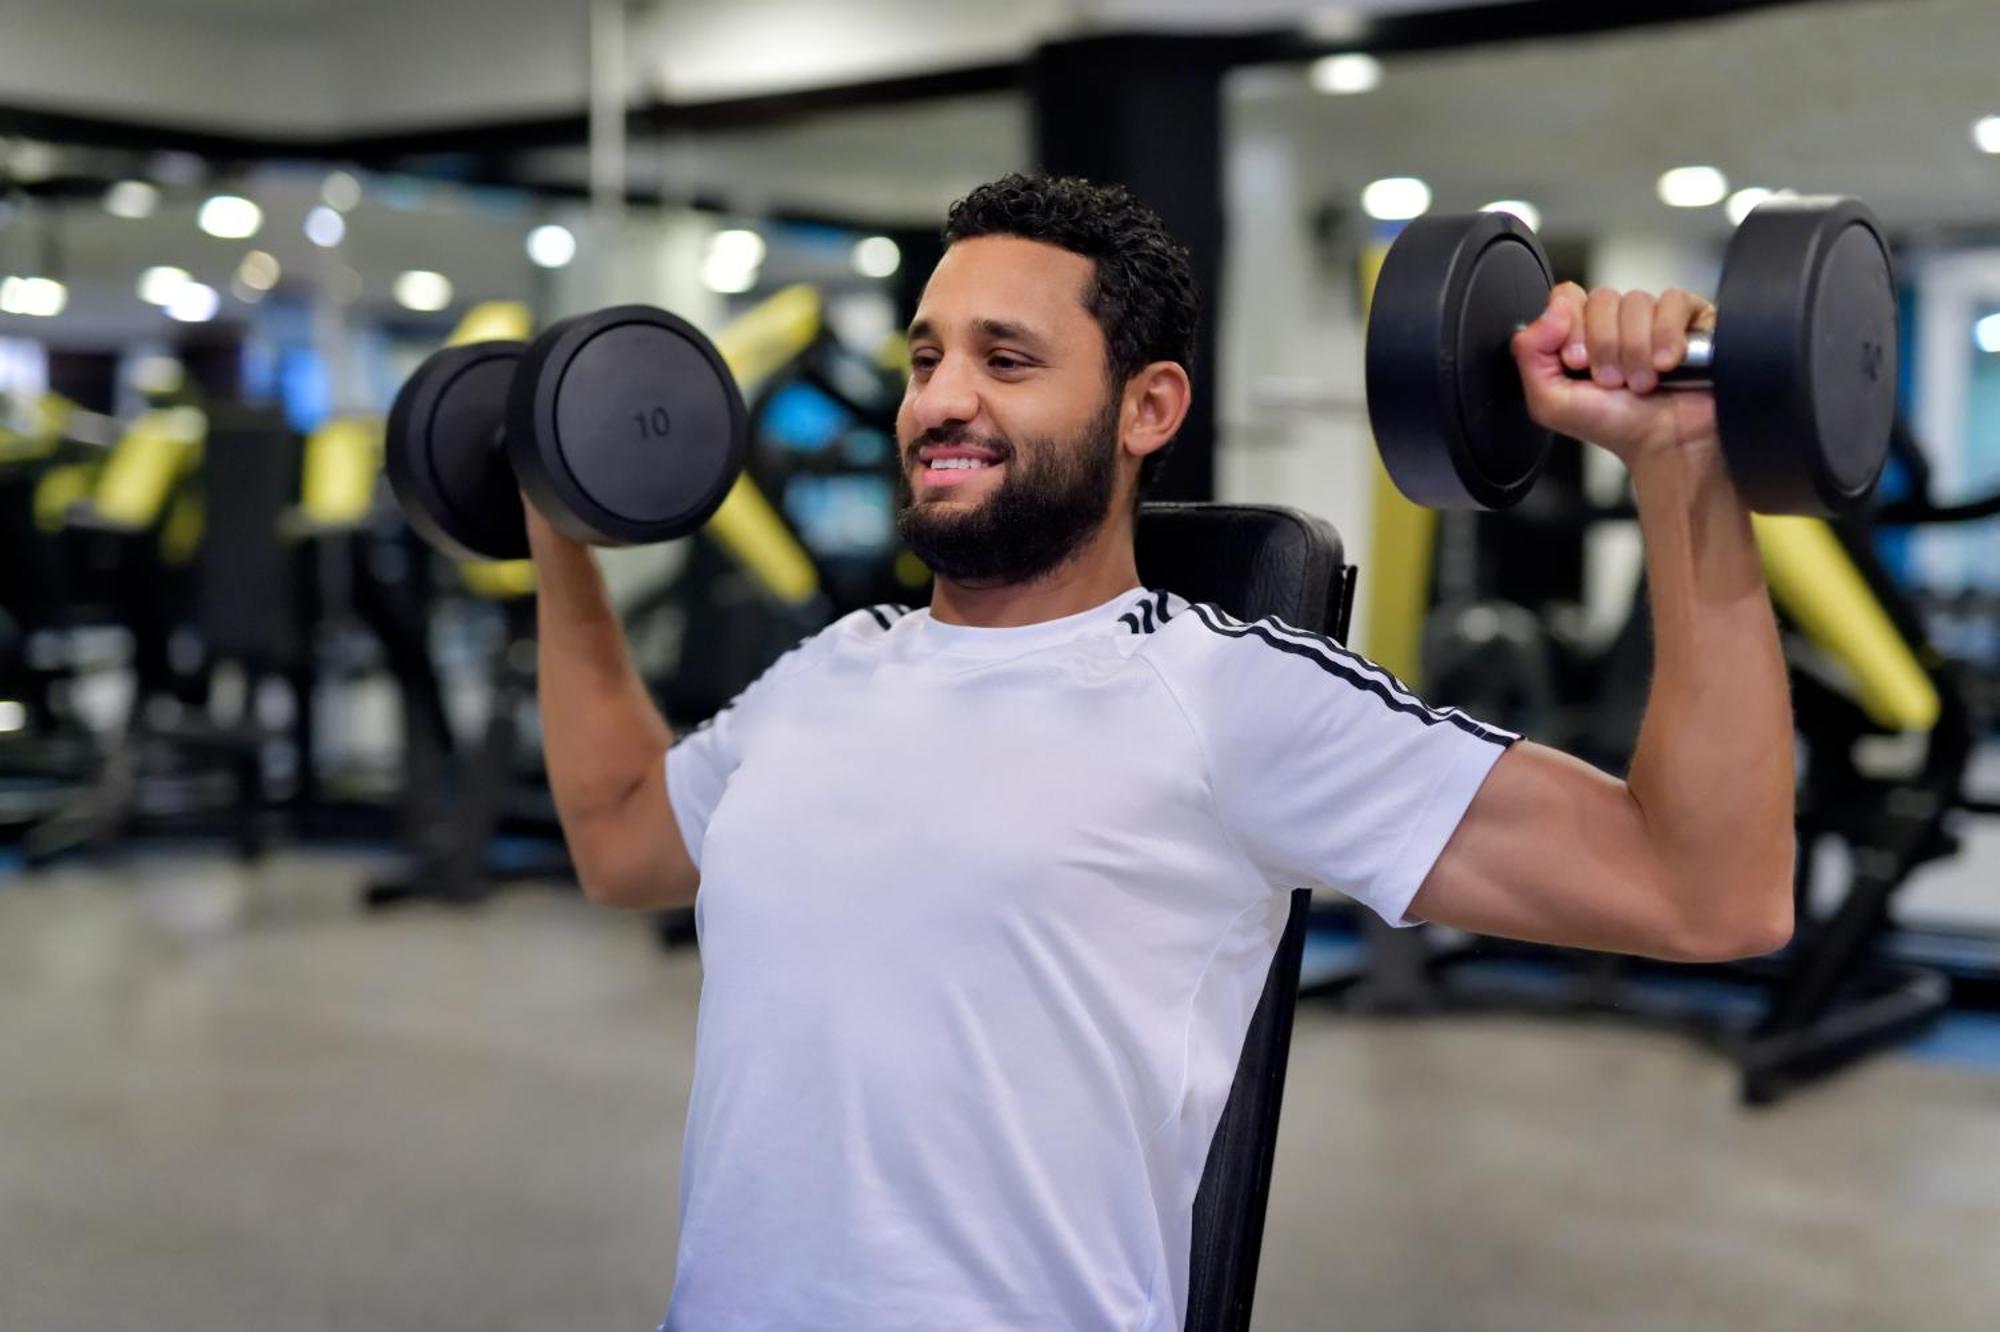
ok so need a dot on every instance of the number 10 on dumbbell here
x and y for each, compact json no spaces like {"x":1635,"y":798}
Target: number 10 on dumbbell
{"x":1802,"y":361}
{"x":623,"y":427}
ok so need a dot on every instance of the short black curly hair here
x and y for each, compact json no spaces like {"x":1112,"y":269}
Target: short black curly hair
{"x":1143,"y":292}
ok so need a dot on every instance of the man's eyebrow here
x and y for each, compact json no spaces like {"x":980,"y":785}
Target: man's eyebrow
{"x":1001,"y":330}
{"x":996,"y":330}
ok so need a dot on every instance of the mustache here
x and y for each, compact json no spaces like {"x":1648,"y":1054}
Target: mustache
{"x":958,"y":434}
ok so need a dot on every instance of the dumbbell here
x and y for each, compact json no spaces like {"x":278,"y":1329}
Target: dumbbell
{"x":1802,"y":361}
{"x":623,"y":427}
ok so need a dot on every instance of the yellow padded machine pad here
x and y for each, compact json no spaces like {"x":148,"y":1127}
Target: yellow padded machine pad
{"x":1816,"y":583}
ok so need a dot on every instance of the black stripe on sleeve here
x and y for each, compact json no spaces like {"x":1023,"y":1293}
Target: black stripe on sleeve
{"x":880,"y":618}
{"x":1160,"y":601}
{"x":1130,"y":620}
{"x":1319,"y":654}
{"x":1146,"y":617}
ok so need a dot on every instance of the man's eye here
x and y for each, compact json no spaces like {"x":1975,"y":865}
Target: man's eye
{"x":923,"y":362}
{"x":1006,"y":362}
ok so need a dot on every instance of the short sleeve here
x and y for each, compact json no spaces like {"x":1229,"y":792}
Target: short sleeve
{"x":1328,"y":771}
{"x":701,"y":761}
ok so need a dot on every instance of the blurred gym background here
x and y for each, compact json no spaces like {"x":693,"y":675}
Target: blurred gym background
{"x":302,"y":1022}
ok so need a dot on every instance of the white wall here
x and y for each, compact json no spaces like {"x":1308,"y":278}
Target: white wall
{"x":1290,"y":428}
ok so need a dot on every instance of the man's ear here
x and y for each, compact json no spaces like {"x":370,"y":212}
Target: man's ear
{"x":1156,"y":402}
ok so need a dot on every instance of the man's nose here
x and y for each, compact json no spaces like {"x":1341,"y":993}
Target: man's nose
{"x":946,"y":396}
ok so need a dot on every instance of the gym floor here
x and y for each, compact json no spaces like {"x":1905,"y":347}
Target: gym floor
{"x":232,"y":1100}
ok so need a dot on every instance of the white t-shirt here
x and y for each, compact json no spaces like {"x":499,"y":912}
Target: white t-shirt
{"x":984,"y":915}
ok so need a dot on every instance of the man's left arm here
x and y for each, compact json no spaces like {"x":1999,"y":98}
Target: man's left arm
{"x":1691,"y":857}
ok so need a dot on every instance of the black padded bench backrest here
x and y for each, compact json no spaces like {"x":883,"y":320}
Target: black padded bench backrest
{"x":1251,"y":561}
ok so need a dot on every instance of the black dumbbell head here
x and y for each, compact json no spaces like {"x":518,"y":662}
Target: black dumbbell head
{"x":444,"y":457}
{"x":1444,"y":398}
{"x":625,"y":426}
{"x":1806,"y":355}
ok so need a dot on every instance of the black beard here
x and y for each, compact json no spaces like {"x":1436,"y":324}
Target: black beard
{"x":1055,"y":496}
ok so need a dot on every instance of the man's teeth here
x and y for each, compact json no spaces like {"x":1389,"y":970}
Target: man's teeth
{"x":956,"y":464}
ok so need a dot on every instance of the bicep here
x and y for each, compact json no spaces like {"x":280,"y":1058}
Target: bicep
{"x":1553,"y":851}
{"x":634,"y":856}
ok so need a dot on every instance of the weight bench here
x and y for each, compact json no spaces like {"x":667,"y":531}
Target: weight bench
{"x":1252,"y":561}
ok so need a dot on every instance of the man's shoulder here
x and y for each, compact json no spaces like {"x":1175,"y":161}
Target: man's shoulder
{"x":1171,"y":628}
{"x":866,"y":625}
{"x":1205,"y":650}
{"x":870,"y":623}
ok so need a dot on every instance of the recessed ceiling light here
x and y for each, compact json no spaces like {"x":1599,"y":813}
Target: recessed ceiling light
{"x":1346,"y":74}
{"x":325,"y":227}
{"x":877,"y":257}
{"x":340,"y":190}
{"x":1692,"y":187}
{"x":39,"y":297}
{"x":551,"y":246}
{"x":1520,"y":208}
{"x":1396,"y":198}
{"x":230,"y":217}
{"x":132,"y":199}
{"x":422,"y":290}
{"x":160,"y":284}
{"x":194,"y":303}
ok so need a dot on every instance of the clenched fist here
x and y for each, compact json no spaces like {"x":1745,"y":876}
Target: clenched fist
{"x":1626,"y":340}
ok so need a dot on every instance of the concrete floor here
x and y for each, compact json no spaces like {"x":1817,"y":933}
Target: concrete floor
{"x":235,"y":1101}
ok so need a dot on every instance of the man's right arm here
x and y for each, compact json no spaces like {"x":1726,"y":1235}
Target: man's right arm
{"x":605,"y":743}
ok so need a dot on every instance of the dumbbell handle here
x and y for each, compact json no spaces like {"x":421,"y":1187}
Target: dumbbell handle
{"x":1696,"y":369}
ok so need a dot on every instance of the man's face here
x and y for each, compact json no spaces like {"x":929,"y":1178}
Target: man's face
{"x":1009,"y":431}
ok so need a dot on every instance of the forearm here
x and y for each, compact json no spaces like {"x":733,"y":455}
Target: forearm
{"x":1712,"y":774}
{"x":602,"y":736}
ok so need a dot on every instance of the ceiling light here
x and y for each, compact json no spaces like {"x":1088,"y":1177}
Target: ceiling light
{"x":325,"y":227}
{"x":729,"y":279}
{"x":551,"y":246}
{"x":159,"y":286}
{"x":157,"y":375}
{"x":40,"y":297}
{"x":1530,"y":215}
{"x":1987,"y":333}
{"x":341,"y":191}
{"x":877,"y":257}
{"x":31,"y":161}
{"x":13,"y":715}
{"x":736,"y":248}
{"x":423,"y":291}
{"x":1396,"y":198}
{"x":132,"y":199}
{"x":259,"y":270}
{"x":1346,"y":74}
{"x":1692,"y":187}
{"x":1740,"y":204}
{"x":230,"y":217}
{"x":1986,"y":134}
{"x":194,"y":303}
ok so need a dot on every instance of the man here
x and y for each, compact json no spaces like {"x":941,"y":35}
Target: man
{"x":988,"y":891}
